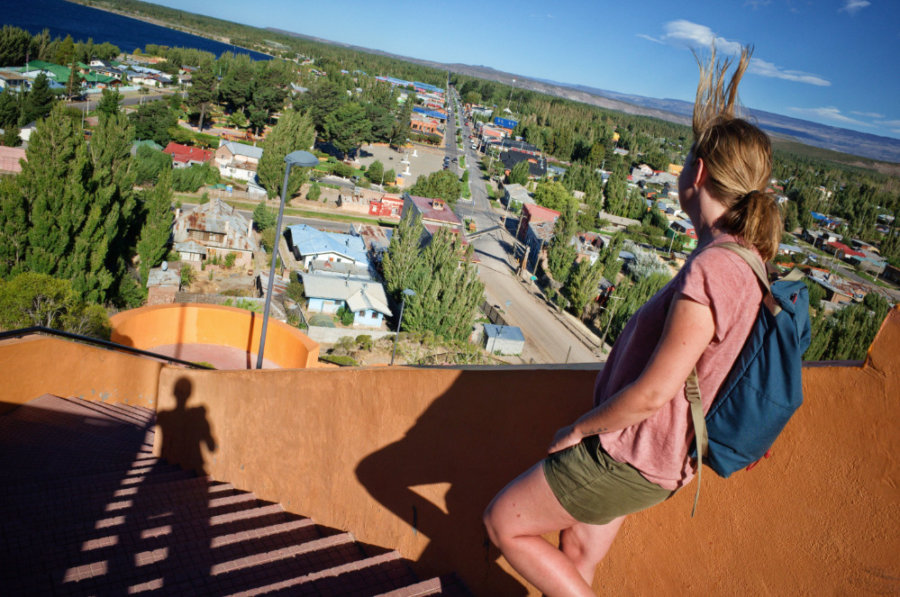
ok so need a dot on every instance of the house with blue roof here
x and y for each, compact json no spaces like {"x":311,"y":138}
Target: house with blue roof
{"x":309,"y":244}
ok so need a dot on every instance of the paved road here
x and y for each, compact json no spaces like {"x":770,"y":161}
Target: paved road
{"x":547,"y":339}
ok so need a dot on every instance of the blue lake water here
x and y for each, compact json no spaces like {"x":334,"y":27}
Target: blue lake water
{"x":81,"y":22}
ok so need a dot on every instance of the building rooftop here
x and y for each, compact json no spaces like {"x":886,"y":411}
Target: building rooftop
{"x":310,"y":241}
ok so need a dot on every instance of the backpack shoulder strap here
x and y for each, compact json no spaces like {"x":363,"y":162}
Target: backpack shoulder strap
{"x":759,"y":269}
{"x":692,"y":392}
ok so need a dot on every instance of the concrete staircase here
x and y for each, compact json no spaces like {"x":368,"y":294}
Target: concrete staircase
{"x":85,"y":509}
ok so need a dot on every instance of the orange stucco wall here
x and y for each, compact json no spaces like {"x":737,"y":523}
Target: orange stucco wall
{"x":35,"y":365}
{"x":160,"y":325}
{"x":408,"y":458}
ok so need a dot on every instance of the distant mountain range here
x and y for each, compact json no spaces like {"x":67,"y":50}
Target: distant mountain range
{"x":833,"y":138}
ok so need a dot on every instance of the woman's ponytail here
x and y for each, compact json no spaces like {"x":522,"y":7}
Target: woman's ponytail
{"x":756,"y":218}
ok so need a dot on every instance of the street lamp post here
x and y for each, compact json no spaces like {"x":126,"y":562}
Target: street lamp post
{"x":303,"y":159}
{"x":406,"y":292}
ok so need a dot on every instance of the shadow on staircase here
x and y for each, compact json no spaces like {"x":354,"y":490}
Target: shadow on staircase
{"x":87,"y":510}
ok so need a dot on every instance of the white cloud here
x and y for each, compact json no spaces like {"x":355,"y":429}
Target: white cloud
{"x":869,"y":114}
{"x":767,"y":69}
{"x":828,"y":113}
{"x":889,"y":123}
{"x":653,"y":39}
{"x":854,"y":6}
{"x":757,"y":3}
{"x":693,"y":35}
{"x":682,"y":32}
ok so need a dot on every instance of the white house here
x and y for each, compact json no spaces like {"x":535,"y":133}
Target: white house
{"x":366,"y":299}
{"x":237,"y":160}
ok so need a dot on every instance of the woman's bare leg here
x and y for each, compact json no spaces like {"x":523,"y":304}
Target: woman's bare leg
{"x":527,"y":509}
{"x":587,"y":544}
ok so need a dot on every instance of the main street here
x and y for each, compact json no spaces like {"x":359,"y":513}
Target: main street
{"x":547,"y":338}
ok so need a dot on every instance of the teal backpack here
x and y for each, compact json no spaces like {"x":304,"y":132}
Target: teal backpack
{"x":764,"y":387}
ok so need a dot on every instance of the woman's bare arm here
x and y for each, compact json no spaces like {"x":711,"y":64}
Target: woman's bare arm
{"x":688,"y":331}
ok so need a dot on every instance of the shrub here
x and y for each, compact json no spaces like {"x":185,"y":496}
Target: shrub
{"x":229,"y":260}
{"x":187,"y":275}
{"x":364,"y":341}
{"x":343,"y":361}
{"x":345,"y":316}
{"x":314,"y":192}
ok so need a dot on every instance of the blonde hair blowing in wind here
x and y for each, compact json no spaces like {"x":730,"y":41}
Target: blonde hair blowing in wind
{"x":737,"y":155}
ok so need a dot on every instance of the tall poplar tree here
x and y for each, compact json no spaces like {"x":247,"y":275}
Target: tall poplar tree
{"x":583,"y":284}
{"x":402,"y":255}
{"x":447,"y":292}
{"x":154,"y":237}
{"x":292,"y":132}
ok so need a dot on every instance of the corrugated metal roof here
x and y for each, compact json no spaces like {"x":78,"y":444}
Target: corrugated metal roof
{"x":220,"y":218}
{"x":358,"y":295}
{"x":309,"y":241}
{"x":247,"y":151}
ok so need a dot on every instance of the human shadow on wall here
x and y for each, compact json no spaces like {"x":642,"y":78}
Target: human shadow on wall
{"x":184,"y":430}
{"x":486,"y":429}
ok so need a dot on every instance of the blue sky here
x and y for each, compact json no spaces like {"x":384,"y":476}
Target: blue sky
{"x":828,"y":61}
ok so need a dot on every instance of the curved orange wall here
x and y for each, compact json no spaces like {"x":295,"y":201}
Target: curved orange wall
{"x":197,"y":323}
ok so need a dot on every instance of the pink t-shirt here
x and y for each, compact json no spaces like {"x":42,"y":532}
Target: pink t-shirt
{"x":658,"y":446}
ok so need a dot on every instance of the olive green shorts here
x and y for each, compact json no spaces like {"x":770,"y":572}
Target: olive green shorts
{"x":594,"y":488}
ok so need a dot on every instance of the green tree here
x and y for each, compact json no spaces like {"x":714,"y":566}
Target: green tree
{"x":202,"y":93}
{"x":263,"y":217}
{"x":32,"y":299}
{"x":402,"y":255}
{"x":442,"y":184}
{"x":55,"y":183}
{"x":9,"y":109}
{"x":236,"y":89}
{"x":555,"y":196}
{"x":14,"y":45}
{"x":400,"y":129}
{"x":292,"y":132}
{"x":615,"y":192}
{"x":447,"y":291}
{"x":153,"y":241}
{"x":610,"y":257}
{"x":519,"y":173}
{"x":109,"y":102}
{"x":375,"y":172}
{"x":148,"y":164}
{"x":13,"y":226}
{"x":152,"y":122}
{"x":322,"y":100}
{"x":583,"y":284}
{"x":38,"y":102}
{"x":347,"y":127}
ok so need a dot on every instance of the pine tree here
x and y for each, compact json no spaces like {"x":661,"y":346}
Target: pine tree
{"x":38,"y":102}
{"x":54,"y":183}
{"x":154,"y":238}
{"x":13,"y":227}
{"x":203,"y":91}
{"x":292,"y":132}
{"x":113,"y":181}
{"x":109,"y":102}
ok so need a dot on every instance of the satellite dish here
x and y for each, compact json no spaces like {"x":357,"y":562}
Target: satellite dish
{"x":165,"y":266}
